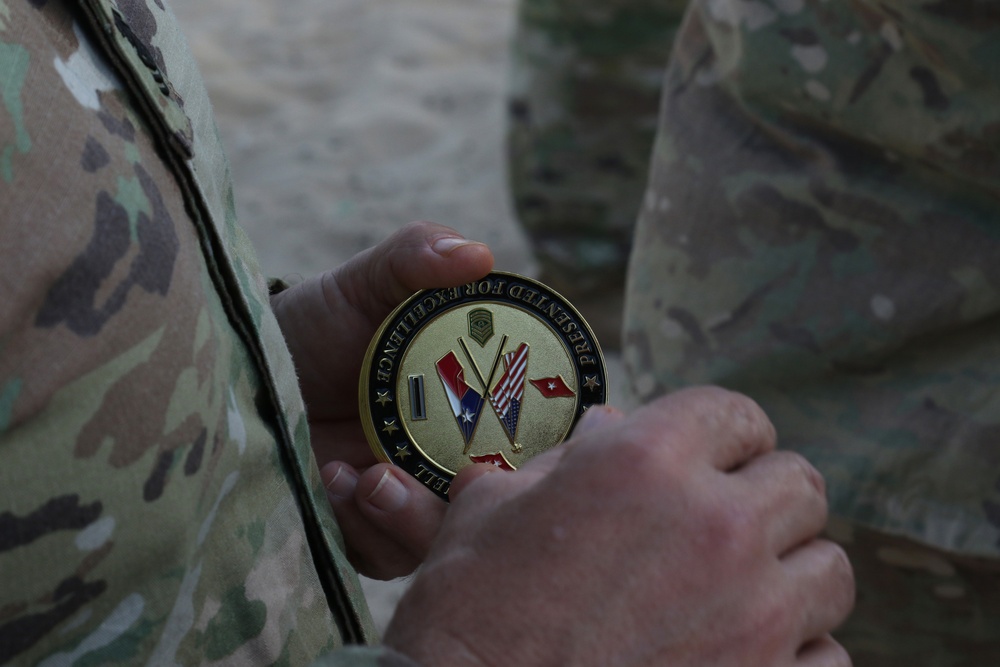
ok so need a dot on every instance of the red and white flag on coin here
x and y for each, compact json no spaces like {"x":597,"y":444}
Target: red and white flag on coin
{"x":553,"y":387}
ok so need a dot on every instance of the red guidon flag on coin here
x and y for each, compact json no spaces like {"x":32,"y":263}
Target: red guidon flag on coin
{"x":552,"y":387}
{"x":497,"y":459}
{"x":509,"y":391}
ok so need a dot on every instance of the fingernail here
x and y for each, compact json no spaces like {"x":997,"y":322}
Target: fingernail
{"x":342,"y":485}
{"x":446,"y":245}
{"x":389,"y":494}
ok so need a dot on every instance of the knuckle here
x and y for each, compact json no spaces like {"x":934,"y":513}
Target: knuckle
{"x":839,"y":656}
{"x":420,"y":226}
{"x":729,"y":527}
{"x":808,"y":473}
{"x":732,"y":402}
{"x":766,"y":623}
{"x":749,"y":416}
{"x":836,"y":578}
{"x":728,"y":410}
{"x":842,"y":572}
{"x":825,"y":651}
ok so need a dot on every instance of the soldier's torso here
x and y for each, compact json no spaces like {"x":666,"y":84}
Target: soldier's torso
{"x":156,"y":492}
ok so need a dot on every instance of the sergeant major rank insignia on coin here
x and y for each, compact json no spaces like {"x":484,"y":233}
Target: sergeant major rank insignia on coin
{"x":495,"y":371}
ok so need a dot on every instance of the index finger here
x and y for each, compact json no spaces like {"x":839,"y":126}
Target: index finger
{"x":727,"y":427}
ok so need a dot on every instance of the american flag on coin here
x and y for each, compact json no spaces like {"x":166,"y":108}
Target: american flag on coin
{"x":509,"y":391}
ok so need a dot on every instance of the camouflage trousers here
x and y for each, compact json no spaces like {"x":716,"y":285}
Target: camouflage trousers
{"x":918,"y":606}
{"x":584,"y":92}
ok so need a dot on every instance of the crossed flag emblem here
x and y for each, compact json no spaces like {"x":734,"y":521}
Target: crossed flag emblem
{"x":506,"y":395}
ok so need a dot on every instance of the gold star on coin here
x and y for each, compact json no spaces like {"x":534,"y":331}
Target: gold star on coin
{"x":383,"y":397}
{"x":390,"y":426}
{"x":591,"y":382}
{"x":402,"y":451}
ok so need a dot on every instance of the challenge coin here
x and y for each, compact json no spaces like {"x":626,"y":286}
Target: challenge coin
{"x":495,"y":371}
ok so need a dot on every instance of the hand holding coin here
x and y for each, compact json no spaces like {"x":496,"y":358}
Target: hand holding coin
{"x":673,"y":536}
{"x":328,"y":323}
{"x":489,"y":369}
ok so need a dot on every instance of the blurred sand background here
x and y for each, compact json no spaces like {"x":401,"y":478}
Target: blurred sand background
{"x":345,"y":119}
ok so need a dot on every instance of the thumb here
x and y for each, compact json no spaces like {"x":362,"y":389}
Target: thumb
{"x":421,"y":255}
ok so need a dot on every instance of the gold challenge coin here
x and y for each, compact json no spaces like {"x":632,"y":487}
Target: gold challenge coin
{"x":495,"y":371}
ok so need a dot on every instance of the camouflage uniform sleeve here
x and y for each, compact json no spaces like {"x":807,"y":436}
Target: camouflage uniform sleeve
{"x":161,"y":503}
{"x":820,"y":230}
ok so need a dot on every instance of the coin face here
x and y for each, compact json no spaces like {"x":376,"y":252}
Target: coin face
{"x":495,"y":371}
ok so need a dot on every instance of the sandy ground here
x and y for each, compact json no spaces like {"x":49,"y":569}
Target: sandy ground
{"x":346,"y":118}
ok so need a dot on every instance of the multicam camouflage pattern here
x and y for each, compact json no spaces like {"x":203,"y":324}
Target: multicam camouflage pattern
{"x":821,"y":231}
{"x":918,"y":605}
{"x":159,"y":498}
{"x":585,"y":88}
